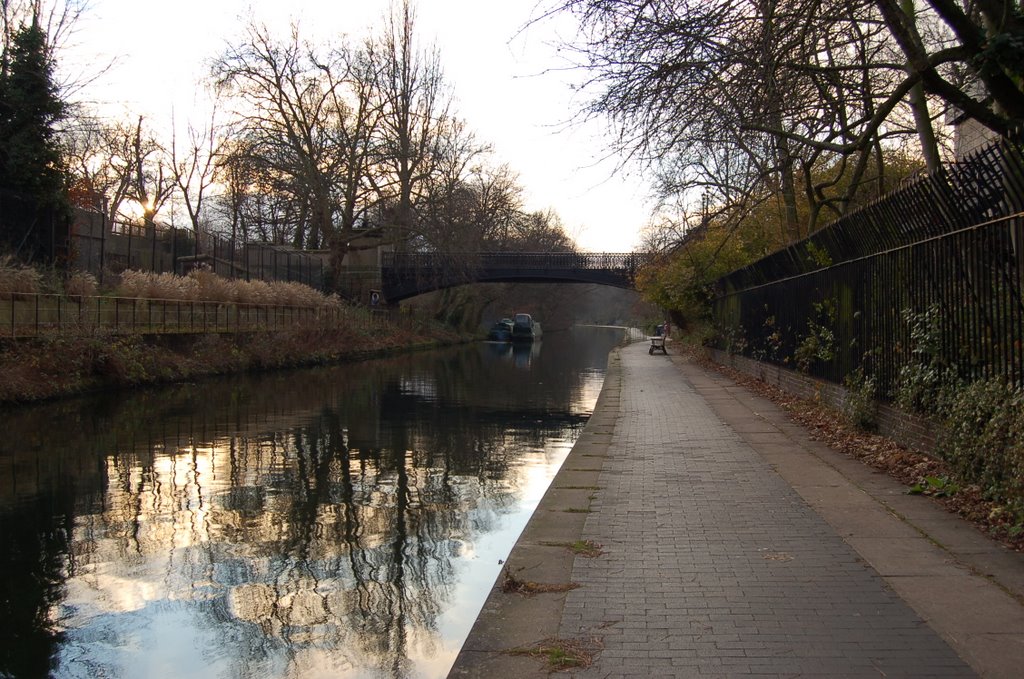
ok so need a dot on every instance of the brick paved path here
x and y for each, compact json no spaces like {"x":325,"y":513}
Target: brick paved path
{"x":713,"y":565}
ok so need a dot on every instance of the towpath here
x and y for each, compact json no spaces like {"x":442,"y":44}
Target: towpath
{"x":732,"y":545}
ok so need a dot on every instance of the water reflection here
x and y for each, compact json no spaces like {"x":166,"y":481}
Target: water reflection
{"x":333,"y":522}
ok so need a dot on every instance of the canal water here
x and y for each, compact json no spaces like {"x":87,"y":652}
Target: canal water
{"x":332,"y":522}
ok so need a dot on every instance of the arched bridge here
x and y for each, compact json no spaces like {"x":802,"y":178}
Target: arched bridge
{"x":406,"y":275}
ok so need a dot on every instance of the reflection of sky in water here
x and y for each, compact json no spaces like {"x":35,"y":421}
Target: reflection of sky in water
{"x":288,"y":553}
{"x":171,"y":591}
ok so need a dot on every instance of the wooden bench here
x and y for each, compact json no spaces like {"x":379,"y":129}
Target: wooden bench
{"x":657,"y":344}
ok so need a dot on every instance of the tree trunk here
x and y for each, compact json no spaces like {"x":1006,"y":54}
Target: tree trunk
{"x":919,"y":104}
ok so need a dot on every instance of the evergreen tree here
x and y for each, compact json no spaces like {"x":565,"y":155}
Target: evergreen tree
{"x":33,"y":198}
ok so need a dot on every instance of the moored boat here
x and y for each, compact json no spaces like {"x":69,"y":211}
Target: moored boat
{"x":501,"y":331}
{"x":525,"y":329}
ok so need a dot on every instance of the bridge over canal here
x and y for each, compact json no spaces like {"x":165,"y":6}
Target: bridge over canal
{"x":405,"y":275}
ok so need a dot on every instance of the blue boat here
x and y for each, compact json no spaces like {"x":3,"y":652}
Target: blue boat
{"x":501,"y":331}
{"x":525,"y":329}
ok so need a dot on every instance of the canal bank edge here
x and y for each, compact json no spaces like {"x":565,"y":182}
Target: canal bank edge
{"x":36,"y":370}
{"x":514,"y":625}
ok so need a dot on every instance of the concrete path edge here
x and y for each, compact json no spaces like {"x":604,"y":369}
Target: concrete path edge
{"x":510,"y":621}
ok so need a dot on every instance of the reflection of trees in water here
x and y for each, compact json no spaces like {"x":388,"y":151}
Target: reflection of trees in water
{"x":35,"y":540}
{"x":311,"y":542}
{"x":295,"y":516}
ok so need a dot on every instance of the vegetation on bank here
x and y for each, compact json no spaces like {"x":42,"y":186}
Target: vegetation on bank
{"x":55,"y":366}
{"x":63,"y":364}
{"x":199,"y":285}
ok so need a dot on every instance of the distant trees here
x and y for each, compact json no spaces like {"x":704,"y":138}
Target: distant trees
{"x":352,"y":134}
{"x":118,"y":167}
{"x":313,"y":145}
{"x":193,"y":167}
{"x":334,"y":141}
{"x":416,"y":116}
{"x":291,"y":117}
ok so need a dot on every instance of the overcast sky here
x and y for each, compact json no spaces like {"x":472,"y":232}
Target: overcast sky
{"x":161,"y":50}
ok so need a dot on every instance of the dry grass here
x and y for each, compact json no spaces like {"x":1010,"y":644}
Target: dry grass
{"x":584,"y":548}
{"x":513,"y":585}
{"x":81,"y":284}
{"x":199,"y":285}
{"x":18,"y":279}
{"x":563,"y":654}
{"x":150,"y":285}
{"x":204,"y":285}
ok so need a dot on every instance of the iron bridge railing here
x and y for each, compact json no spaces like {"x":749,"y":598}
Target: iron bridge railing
{"x":565,"y":261}
{"x":408,"y":274}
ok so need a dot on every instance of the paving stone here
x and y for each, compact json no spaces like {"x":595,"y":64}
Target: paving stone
{"x":707,"y":535}
{"x":736,"y":546}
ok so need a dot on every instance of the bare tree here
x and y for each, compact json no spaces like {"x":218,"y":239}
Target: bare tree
{"x":499,"y":204}
{"x":353,"y":88}
{"x":798,"y":99}
{"x":99,"y":175}
{"x":415,"y":112}
{"x":194,"y":167}
{"x":152,"y":180}
{"x":290,"y":113}
{"x":56,"y":18}
{"x":236,"y":178}
{"x":117,"y":162}
{"x":448,"y":215}
{"x":309,"y":153}
{"x":541,"y":231}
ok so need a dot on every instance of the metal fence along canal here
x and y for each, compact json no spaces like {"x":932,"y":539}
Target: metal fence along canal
{"x":930,"y":276}
{"x":35,"y":315}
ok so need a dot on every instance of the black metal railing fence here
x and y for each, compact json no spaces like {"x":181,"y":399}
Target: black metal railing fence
{"x":41,"y":315}
{"x":105,"y":249}
{"x":931,"y":273}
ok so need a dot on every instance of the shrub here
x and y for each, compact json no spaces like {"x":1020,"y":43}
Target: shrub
{"x":926,"y":389}
{"x":860,"y":406}
{"x":982,"y":440}
{"x":734,"y":339}
{"x":820,"y":342}
{"x":927,"y":383}
{"x":1014,"y":462}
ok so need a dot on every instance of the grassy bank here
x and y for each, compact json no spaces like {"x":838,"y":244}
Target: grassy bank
{"x":50,"y":367}
{"x":65,"y":364}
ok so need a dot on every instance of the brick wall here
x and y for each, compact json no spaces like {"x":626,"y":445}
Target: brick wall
{"x":912,"y":431}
